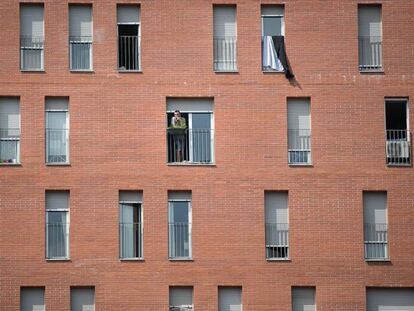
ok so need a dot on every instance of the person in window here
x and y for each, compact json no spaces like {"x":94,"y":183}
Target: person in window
{"x":178,"y":122}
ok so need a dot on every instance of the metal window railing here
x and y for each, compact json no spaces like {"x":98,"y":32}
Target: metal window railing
{"x":277,"y":240}
{"x":398,"y":147}
{"x":190,"y":145}
{"x":128,"y":53}
{"x":179,"y":234}
{"x":299,"y":146}
{"x":370,"y":53}
{"x":130,"y":235}
{"x":80,"y":52}
{"x":57,"y":145}
{"x":9,"y":145}
{"x":225,"y":53}
{"x":31,"y":53}
{"x":57,"y":240}
{"x":376,"y":240}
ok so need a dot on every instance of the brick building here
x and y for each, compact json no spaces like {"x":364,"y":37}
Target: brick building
{"x":277,"y":194}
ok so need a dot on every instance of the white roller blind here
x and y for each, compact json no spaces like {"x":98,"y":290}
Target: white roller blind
{"x":276,"y":205}
{"x":57,"y":103}
{"x":82,"y":299}
{"x":181,"y":296}
{"x":369,"y":21}
{"x":32,"y":299}
{"x":9,"y":113}
{"x":31,"y":20}
{"x":128,"y":14}
{"x":303,"y":299}
{"x":190,"y":104}
{"x":390,"y":299}
{"x":130,"y":196}
{"x":57,"y":199}
{"x":299,"y":114}
{"x":230,"y":299}
{"x":179,"y":195}
{"x":225,"y":21}
{"x":273,"y":10}
{"x":375,"y":207}
{"x":80,"y":20}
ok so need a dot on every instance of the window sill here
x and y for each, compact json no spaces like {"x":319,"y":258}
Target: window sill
{"x":180,"y":259}
{"x":226,"y":71}
{"x":129,"y":71}
{"x":81,"y":71}
{"x":278,"y":259}
{"x":399,"y":165}
{"x":190,"y":164}
{"x":300,"y":164}
{"x":273,"y":72}
{"x":57,"y":164}
{"x":373,"y":71}
{"x":32,"y":70}
{"x":131,"y":259}
{"x":58,"y":259}
{"x":377,"y":260}
{"x":10,"y":164}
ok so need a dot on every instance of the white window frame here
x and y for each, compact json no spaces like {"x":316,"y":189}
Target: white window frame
{"x":190,"y":229}
{"x":47,"y":111}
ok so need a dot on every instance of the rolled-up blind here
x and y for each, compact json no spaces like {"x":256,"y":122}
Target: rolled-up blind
{"x":128,"y":14}
{"x":273,"y":10}
{"x":57,"y":200}
{"x":130,"y":196}
{"x":80,"y":21}
{"x":57,"y":103}
{"x":299,"y":114}
{"x":31,"y":20}
{"x":190,"y":104}
{"x":224,"y":21}
{"x":179,"y":195}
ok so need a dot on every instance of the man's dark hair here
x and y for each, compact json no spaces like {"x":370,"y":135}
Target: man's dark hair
{"x":177,"y":111}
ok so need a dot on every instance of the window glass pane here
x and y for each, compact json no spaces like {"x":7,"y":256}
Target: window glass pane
{"x":179,"y":212}
{"x":272,"y":26}
{"x":56,"y":120}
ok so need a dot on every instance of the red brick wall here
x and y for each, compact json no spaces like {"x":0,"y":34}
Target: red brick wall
{"x":117,"y":141}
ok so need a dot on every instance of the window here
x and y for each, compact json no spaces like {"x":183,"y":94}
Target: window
{"x":277,"y":225}
{"x":32,"y":299}
{"x":390,"y":299}
{"x":57,"y":224}
{"x":370,"y":37}
{"x":82,"y":298}
{"x":375,"y":225}
{"x":31,"y":37}
{"x":303,"y":299}
{"x":272,"y":25}
{"x":299,"y":131}
{"x":9,"y":130}
{"x":57,"y":130}
{"x":230,"y":298}
{"x":128,"y":37}
{"x":398,"y":144}
{"x":181,"y":298}
{"x":179,"y":224}
{"x":80,"y":37}
{"x":225,"y":38}
{"x":192,"y":140}
{"x":130,"y":224}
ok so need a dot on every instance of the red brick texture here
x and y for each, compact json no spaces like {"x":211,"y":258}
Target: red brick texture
{"x":118,"y":142}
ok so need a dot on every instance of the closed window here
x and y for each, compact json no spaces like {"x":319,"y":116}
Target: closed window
{"x":179,"y":224}
{"x":225,"y":38}
{"x":57,"y":130}
{"x":80,"y":37}
{"x":375,"y":225}
{"x":82,"y":299}
{"x":128,"y":18}
{"x":130,"y":224}
{"x":181,"y":298}
{"x":32,"y":299}
{"x":299,"y":131}
{"x":370,"y":37}
{"x":230,"y":298}
{"x":303,"y":299}
{"x":9,"y":130}
{"x":277,"y":225}
{"x":31,"y":37}
{"x":57,"y":224}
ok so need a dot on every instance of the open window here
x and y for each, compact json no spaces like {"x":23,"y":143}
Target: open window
{"x":128,"y":19}
{"x":272,"y":25}
{"x":398,"y":145}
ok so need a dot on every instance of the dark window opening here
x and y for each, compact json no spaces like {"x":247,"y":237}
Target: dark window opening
{"x":128,"y":47}
{"x":396,"y":115}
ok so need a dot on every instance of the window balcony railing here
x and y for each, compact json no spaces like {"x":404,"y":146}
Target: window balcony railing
{"x":299,"y":142}
{"x":376,"y":241}
{"x":277,"y":240}
{"x":9,"y":145}
{"x":130,"y":235}
{"x":31,"y":53}
{"x":57,"y":146}
{"x":370,"y":53}
{"x":57,"y":240}
{"x":398,"y":147}
{"x":128,"y":53}
{"x":225,"y":53}
{"x":179,"y":234}
{"x":80,"y":53}
{"x":190,"y":145}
